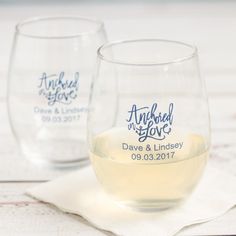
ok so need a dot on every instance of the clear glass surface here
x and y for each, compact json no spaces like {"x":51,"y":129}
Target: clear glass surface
{"x":148,"y":122}
{"x":49,"y":80}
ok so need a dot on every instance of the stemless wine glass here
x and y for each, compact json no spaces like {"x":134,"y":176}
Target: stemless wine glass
{"x":148,"y":122}
{"x":48,"y":88}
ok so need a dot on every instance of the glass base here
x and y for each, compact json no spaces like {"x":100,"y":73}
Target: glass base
{"x":59,"y":164}
{"x":56,"y":153}
{"x":151,"y":205}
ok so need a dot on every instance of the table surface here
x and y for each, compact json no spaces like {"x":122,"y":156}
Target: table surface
{"x":210,"y":26}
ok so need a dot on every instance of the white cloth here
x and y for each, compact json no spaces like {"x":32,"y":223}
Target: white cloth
{"x":81,"y":194}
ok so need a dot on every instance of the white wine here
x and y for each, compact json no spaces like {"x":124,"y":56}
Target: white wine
{"x":152,"y":174}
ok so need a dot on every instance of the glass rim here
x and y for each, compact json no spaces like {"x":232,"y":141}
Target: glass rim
{"x":191,"y":55}
{"x":21,"y":24}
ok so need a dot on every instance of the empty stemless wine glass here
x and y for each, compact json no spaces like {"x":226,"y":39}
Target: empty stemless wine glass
{"x":50,"y":75}
{"x":148,"y":123}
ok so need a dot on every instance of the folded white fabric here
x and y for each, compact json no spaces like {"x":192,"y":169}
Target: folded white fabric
{"x":81,"y":194}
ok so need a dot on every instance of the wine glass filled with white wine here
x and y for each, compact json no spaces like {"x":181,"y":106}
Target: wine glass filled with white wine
{"x":148,"y":122}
